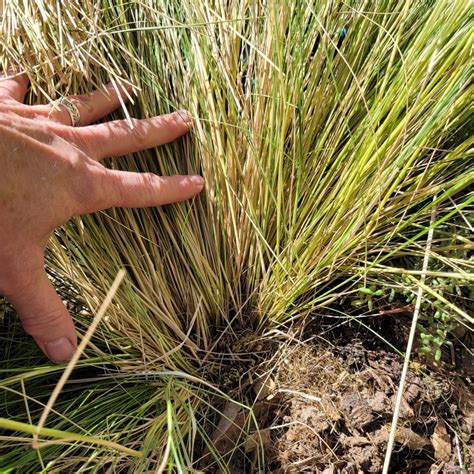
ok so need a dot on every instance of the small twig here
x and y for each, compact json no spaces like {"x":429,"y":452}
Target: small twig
{"x":458,"y":452}
{"x":404,"y":309}
{"x":406,"y":364}
{"x":458,"y":449}
{"x":300,"y":394}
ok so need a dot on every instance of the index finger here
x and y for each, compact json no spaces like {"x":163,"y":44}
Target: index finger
{"x":117,"y":138}
{"x":13,"y":87}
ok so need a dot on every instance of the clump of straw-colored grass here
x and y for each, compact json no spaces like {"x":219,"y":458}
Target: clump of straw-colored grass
{"x":325,"y":131}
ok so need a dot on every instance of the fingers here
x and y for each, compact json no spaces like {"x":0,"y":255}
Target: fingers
{"x":117,"y":138}
{"x":13,"y":87}
{"x":91,"y":107}
{"x":44,"y":316}
{"x":126,"y":189}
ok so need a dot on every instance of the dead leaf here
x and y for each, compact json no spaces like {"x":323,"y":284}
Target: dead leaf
{"x":409,"y":438}
{"x":406,"y":411}
{"x":231,"y":430}
{"x":412,"y":389}
{"x":380,"y":403}
{"x":228,"y":430}
{"x":403,"y":435}
{"x":226,"y":422}
{"x":467,"y":424}
{"x":441,"y":442}
{"x":358,"y":412}
{"x":464,"y":397}
{"x":352,"y":441}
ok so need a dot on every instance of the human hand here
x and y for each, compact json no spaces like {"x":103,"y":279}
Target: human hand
{"x":51,"y":171}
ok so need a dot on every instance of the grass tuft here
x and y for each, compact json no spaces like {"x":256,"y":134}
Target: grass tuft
{"x":326,"y":133}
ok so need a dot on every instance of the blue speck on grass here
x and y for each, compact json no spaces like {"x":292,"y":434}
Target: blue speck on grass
{"x":342,"y":35}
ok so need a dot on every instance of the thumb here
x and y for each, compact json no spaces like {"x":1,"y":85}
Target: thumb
{"x":127,"y":189}
{"x":44,"y":316}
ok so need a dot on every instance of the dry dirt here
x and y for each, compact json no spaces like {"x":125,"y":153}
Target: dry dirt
{"x":347,"y":429}
{"x":327,"y":408}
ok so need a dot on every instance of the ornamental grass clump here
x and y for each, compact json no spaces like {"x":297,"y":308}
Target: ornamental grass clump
{"x":327,"y":132}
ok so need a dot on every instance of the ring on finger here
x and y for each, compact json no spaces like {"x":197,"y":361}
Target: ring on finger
{"x":71,"y":108}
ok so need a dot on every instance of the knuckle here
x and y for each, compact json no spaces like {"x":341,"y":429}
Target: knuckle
{"x":89,"y":189}
{"x":119,"y":190}
{"x":152,"y":183}
{"x":139,"y":133}
{"x":84,"y":140}
{"x":36,"y":325}
{"x":8,"y":105}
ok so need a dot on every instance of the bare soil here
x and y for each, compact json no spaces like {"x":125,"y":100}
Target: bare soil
{"x":346,"y":430}
{"x":324,"y":404}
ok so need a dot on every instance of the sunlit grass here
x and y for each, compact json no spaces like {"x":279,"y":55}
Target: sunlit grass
{"x":325,"y":132}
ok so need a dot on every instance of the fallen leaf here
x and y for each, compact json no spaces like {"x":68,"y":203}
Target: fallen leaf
{"x":227,"y":421}
{"x":403,"y":435}
{"x":441,"y":442}
{"x":351,"y":441}
{"x":409,"y":438}
{"x":233,"y":425}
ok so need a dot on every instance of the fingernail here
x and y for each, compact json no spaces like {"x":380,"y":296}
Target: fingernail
{"x":196,"y":180}
{"x":60,"y":350}
{"x":186,"y":117}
